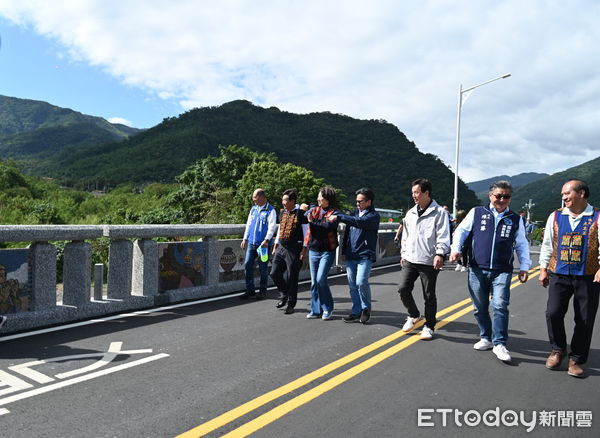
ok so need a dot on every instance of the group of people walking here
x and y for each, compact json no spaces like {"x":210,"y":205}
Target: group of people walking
{"x":491,"y":234}
{"x":312,"y":231}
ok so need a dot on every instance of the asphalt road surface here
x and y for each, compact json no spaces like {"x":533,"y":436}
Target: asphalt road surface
{"x":233,"y":368}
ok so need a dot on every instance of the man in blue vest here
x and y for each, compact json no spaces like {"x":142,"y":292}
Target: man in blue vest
{"x":569,"y":261}
{"x":495,"y":233}
{"x":260,"y":228}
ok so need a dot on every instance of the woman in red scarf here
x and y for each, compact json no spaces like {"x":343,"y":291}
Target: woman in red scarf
{"x":322,"y":241}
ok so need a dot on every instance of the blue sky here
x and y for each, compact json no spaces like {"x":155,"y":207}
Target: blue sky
{"x":140,"y":61}
{"x":36,"y":67}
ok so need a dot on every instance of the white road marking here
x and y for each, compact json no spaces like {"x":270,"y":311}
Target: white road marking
{"x":52,"y":387}
{"x":25,"y":369}
{"x":113,"y":351}
{"x":14,"y":383}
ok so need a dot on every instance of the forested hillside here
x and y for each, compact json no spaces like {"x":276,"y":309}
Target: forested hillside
{"x":481,"y":188}
{"x":32,"y":130}
{"x":545,"y":192}
{"x":346,"y":152}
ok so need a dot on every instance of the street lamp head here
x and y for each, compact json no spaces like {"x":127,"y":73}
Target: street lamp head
{"x":506,"y":76}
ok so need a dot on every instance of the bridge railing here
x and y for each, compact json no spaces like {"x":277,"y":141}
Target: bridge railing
{"x":142,"y":272}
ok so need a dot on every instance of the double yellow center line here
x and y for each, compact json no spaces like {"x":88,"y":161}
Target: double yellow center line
{"x":288,"y":406}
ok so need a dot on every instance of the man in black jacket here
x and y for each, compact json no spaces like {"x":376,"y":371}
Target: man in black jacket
{"x":359,"y":248}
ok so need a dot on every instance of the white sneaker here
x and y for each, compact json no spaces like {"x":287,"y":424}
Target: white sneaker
{"x":501,"y":353}
{"x":410,"y":323}
{"x":326,"y":316}
{"x":483,"y":345}
{"x":458,"y":267}
{"x":463,"y":269}
{"x":426,"y":334}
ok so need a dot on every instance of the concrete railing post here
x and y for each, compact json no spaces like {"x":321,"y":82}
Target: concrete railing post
{"x":43,"y":283}
{"x":98,"y":281}
{"x":212,"y":261}
{"x":77,"y":267}
{"x":119,"y":269}
{"x":145,"y":268}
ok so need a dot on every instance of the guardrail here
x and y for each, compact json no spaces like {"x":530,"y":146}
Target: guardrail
{"x":142,"y":272}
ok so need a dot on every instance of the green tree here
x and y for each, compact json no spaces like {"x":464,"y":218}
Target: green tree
{"x":46,"y":213}
{"x":274,"y":178}
{"x":207,"y":187}
{"x":10,"y":177}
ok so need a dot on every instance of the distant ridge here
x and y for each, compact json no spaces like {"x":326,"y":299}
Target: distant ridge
{"x":347,"y":152}
{"x":481,"y":188}
{"x":36,"y":129}
{"x":545,"y":192}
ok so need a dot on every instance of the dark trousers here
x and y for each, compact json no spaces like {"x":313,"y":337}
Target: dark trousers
{"x":285,"y":270}
{"x":464,"y":257}
{"x":585,"y":305}
{"x":408,"y":275}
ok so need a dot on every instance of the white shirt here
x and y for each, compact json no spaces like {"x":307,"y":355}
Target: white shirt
{"x":547,"y":244}
{"x":521,"y":245}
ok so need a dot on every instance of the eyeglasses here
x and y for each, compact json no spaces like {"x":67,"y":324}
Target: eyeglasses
{"x":501,"y":196}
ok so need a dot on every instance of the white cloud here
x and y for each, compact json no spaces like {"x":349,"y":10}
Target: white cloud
{"x":399,"y":61}
{"x":120,"y":120}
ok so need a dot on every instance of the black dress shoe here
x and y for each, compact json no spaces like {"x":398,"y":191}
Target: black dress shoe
{"x":261,"y":296}
{"x":247,"y":295}
{"x":289,"y":310}
{"x":350,"y":318}
{"x":281,"y":304}
{"x":365,"y":315}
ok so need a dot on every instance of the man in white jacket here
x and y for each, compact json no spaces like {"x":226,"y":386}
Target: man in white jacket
{"x":425,"y":242}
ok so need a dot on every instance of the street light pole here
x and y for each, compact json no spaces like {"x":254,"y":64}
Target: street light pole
{"x":462,"y":92}
{"x":455,"y":200}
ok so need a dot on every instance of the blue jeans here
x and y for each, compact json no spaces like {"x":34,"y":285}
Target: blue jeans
{"x":482,"y":283}
{"x":320,"y":293}
{"x":263,"y":268}
{"x":358,"y":280}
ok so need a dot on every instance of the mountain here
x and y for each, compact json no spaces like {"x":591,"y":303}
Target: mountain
{"x":31,"y":129}
{"x":347,"y":152}
{"x":481,"y":188}
{"x":545,"y":192}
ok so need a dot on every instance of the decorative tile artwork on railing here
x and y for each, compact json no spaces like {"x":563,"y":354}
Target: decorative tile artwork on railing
{"x":15,"y":295}
{"x":181,"y":265}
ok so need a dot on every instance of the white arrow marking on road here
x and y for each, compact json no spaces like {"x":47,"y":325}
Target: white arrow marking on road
{"x":14,"y":383}
{"x":113,"y":351}
{"x":43,"y":390}
{"x":25,"y":369}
